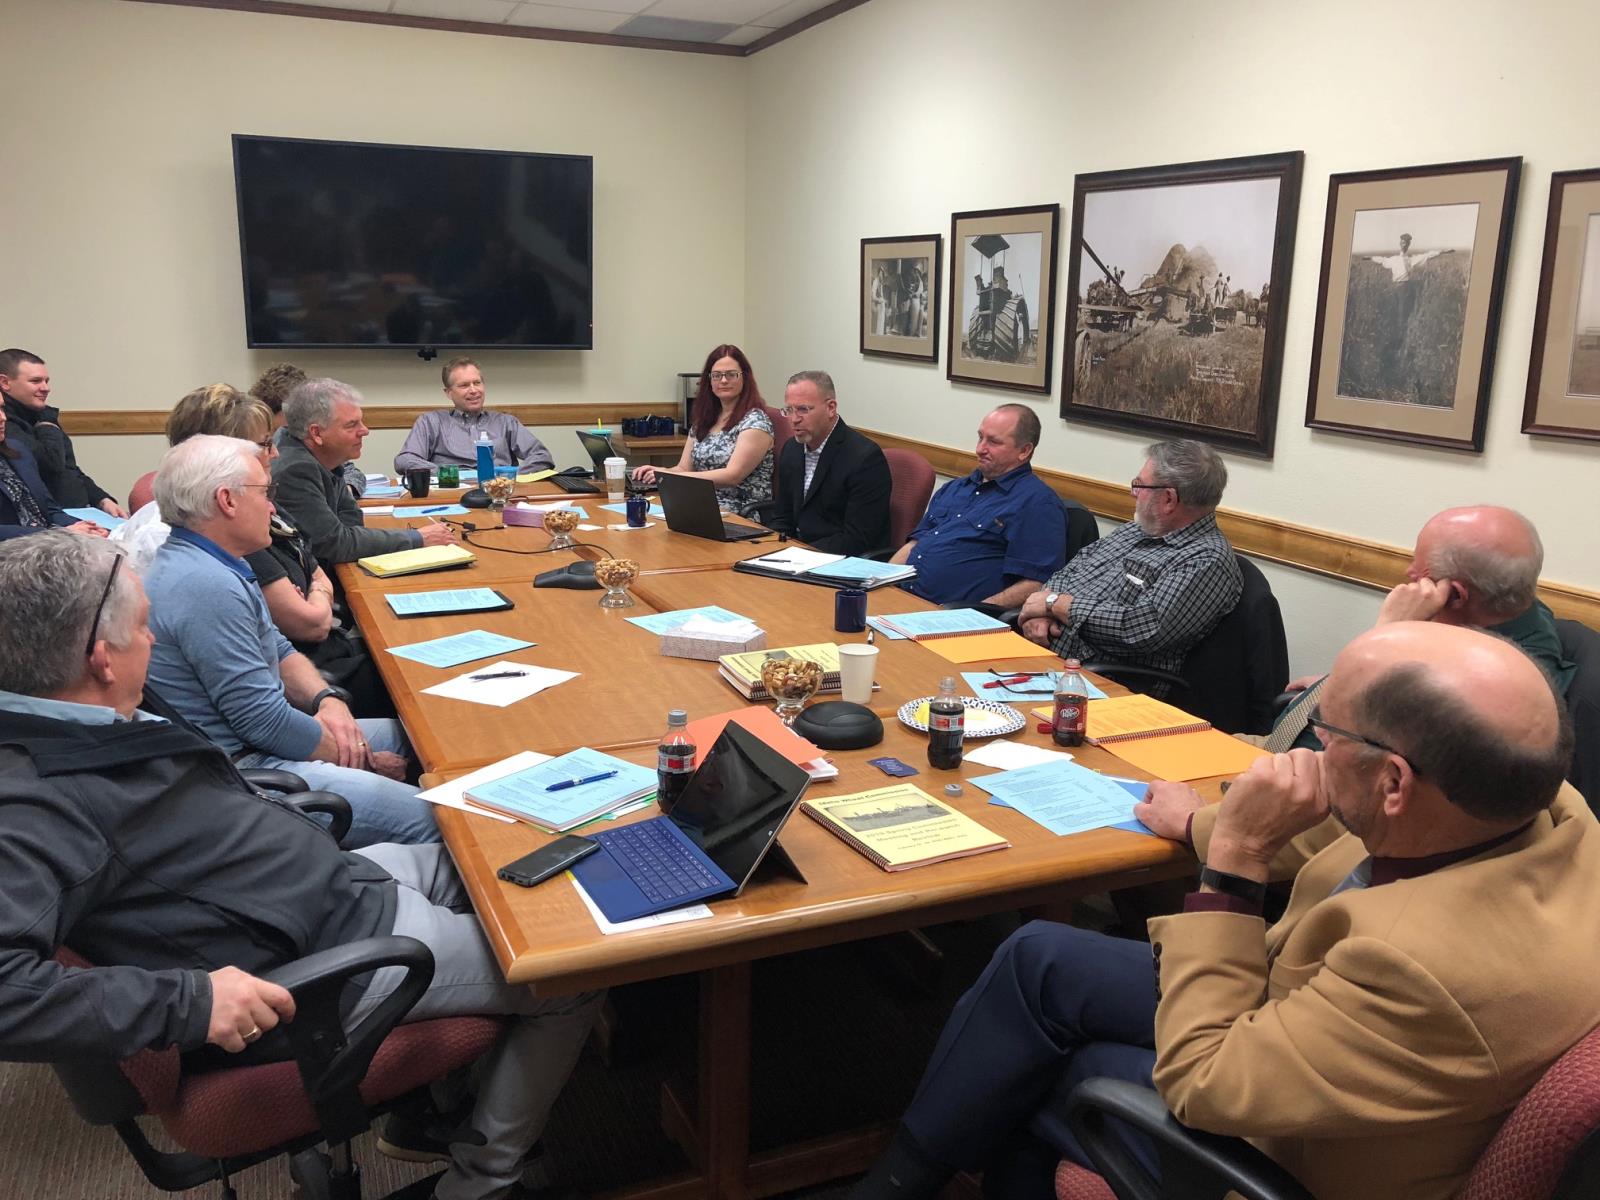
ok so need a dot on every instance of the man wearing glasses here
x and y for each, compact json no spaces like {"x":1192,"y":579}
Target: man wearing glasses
{"x":833,"y":483}
{"x":1145,"y":594}
{"x":1434,"y":959}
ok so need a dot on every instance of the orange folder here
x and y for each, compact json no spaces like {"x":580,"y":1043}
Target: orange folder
{"x":1185,"y":756}
{"x":761,"y":721}
{"x":986,"y":647}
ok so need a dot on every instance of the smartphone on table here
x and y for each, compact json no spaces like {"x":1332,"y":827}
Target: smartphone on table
{"x":547,"y":861}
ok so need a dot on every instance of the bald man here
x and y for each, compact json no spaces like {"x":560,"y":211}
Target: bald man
{"x":1434,"y":960}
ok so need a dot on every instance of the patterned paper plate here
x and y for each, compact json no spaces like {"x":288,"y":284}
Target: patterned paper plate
{"x":985,"y":718}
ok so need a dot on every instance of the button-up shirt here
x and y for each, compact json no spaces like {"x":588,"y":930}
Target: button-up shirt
{"x":1147,"y":600}
{"x":448,"y":436}
{"x":979,"y":536}
{"x":813,"y":455}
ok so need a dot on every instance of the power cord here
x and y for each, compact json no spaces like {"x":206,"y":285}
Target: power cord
{"x":468,"y":528}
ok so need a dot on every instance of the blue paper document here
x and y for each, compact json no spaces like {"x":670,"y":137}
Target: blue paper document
{"x":450,"y":600}
{"x":526,"y":793}
{"x":892,"y":634}
{"x":459,"y":648}
{"x":1063,"y":797}
{"x":668,"y":621}
{"x":864,"y":569}
{"x":95,"y":517}
{"x":655,"y":510}
{"x":382,"y":491}
{"x":1037,"y":690}
{"x":427,"y":510}
{"x":943,"y":622}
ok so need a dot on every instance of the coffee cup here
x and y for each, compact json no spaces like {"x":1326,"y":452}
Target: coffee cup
{"x":856,"y":665}
{"x":418,"y":480}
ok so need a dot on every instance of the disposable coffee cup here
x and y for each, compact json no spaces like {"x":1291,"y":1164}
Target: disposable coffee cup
{"x":616,"y":475}
{"x":856,"y":665}
{"x":417,"y":480}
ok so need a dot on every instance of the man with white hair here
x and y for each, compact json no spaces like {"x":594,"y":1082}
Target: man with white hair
{"x":221,"y":662}
{"x":132,"y":839}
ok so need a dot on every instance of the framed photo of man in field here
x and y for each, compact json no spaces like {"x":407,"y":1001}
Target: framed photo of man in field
{"x":900,"y":288}
{"x":1002,"y":296}
{"x":1413,"y":268}
{"x":1175,"y":295}
{"x":1564,"y":369}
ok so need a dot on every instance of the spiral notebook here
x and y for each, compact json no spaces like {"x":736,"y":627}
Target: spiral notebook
{"x":1128,"y":718}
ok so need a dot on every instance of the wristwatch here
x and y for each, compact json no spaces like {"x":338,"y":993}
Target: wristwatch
{"x":1050,"y":599}
{"x":1248,"y":890}
{"x":338,"y":693}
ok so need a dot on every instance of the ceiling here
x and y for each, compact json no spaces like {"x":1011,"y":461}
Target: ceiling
{"x":708,"y":26}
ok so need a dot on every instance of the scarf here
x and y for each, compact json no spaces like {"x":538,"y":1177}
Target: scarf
{"x":15,"y":490}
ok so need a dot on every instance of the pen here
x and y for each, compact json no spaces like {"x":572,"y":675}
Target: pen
{"x":498,"y":675}
{"x":440,"y":508}
{"x":572,"y":783}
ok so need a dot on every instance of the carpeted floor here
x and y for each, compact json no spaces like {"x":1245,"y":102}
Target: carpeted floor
{"x":840,"y":1035}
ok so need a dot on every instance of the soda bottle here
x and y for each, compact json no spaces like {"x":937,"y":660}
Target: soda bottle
{"x":674,"y":760}
{"x":1070,"y":722}
{"x":946,"y":726}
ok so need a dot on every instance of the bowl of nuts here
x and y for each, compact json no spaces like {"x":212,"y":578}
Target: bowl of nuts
{"x":559,"y":524}
{"x":791,"y":681}
{"x":615,"y":574}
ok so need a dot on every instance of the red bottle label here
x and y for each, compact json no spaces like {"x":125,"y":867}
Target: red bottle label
{"x":673,"y":762}
{"x":945,"y":722}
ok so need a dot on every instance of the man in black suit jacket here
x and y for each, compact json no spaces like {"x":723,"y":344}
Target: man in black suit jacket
{"x":833,"y":483}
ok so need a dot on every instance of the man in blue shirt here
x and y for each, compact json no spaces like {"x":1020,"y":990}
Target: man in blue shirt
{"x":993,"y":536}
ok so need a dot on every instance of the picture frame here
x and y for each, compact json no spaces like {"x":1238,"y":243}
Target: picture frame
{"x":1159,"y":338}
{"x":1002,"y":297}
{"x":1408,"y":306}
{"x":901,"y":282}
{"x":1563,"y":398}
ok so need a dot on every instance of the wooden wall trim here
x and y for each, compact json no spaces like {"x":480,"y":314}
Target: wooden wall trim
{"x":109,"y":422}
{"x":1320,"y":551}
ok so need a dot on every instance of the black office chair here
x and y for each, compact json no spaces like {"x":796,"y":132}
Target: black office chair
{"x":1082,"y":528}
{"x":1582,"y":645}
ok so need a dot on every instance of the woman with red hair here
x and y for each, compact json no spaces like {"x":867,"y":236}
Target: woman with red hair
{"x":730,"y":434}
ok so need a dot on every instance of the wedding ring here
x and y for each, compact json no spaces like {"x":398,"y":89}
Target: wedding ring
{"x":255,"y":1032}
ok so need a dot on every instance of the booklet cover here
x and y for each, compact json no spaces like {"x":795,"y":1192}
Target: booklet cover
{"x":901,"y":826}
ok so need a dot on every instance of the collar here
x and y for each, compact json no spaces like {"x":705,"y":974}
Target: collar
{"x":200,"y":542}
{"x":67,"y":710}
{"x":287,"y":442}
{"x":1193,"y":531}
{"x":466,"y":417}
{"x":29,"y":417}
{"x":1005,"y":483}
{"x":1388,"y":870}
{"x":822,"y":445}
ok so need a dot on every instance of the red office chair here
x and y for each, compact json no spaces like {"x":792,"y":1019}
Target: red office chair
{"x":911,"y":483}
{"x":144,"y":492}
{"x":782,"y":431}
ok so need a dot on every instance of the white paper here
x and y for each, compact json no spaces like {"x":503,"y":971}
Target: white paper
{"x":499,"y":693}
{"x":453,"y":793}
{"x":588,"y":528}
{"x":796,"y":560}
{"x":673,"y":916}
{"x":624,"y":527}
{"x":742,"y":629}
{"x":821,"y":768}
{"x":1009,"y":756}
{"x":381,"y":510}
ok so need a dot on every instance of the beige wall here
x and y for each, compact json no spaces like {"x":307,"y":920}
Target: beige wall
{"x":887,"y":119}
{"x":118,"y":204}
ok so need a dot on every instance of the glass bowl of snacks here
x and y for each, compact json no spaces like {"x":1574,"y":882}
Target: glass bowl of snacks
{"x":559,"y":524}
{"x":615,"y":574}
{"x":791,"y":681}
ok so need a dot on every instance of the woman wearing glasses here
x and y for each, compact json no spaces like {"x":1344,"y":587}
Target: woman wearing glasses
{"x":730,"y":434}
{"x":26,"y":505}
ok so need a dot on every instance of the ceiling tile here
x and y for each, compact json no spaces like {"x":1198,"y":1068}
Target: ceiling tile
{"x":744,"y":35}
{"x":493,"y":12}
{"x":358,"y":5}
{"x":786,"y":14}
{"x":723,"y":12}
{"x":673,"y":30}
{"x":560,"y":16}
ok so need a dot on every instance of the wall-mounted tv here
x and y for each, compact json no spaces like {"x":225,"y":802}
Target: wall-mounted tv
{"x":350,"y":244}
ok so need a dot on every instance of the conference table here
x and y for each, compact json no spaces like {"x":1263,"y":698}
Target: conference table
{"x":545,"y":936}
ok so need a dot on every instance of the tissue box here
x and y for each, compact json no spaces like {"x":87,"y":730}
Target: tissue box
{"x":708,"y":647}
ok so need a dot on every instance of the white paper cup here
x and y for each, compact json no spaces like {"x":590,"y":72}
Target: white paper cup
{"x":616,"y":469}
{"x":856,"y":664}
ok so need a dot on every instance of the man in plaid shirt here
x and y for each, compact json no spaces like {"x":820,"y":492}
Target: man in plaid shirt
{"x":1148,"y":592}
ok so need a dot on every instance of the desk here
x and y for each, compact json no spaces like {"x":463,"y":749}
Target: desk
{"x":666,"y":448}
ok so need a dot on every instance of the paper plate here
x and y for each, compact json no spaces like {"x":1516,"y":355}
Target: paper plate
{"x":985,"y":718}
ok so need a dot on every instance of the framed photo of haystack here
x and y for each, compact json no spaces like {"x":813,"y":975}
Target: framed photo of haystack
{"x":1413,"y":270}
{"x":900,"y":282}
{"x":1002,"y":296}
{"x":1564,"y":368}
{"x":1176,"y":286}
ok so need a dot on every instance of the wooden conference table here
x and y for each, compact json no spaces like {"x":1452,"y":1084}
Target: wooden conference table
{"x":545,"y":936}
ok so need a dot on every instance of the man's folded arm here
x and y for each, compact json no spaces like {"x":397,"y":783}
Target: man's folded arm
{"x":1183,"y":605}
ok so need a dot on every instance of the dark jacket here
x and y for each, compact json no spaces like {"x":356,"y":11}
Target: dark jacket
{"x":847,"y":509}
{"x":318,"y":504}
{"x":23,"y":464}
{"x":40,"y":430}
{"x":138,"y":845}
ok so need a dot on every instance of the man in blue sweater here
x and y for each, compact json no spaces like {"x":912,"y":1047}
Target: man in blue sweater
{"x":223,"y":665}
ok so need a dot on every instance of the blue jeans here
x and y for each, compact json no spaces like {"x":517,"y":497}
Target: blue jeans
{"x":382,"y":810}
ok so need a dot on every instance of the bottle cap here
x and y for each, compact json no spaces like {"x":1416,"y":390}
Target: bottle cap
{"x":952,"y":789}
{"x":677,"y":717}
{"x":1074,"y":665}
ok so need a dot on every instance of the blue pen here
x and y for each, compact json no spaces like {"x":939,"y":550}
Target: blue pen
{"x":440,"y":508}
{"x":572,"y":783}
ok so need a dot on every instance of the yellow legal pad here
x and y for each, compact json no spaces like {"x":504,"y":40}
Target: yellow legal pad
{"x":409,"y":562}
{"x":535,"y":476}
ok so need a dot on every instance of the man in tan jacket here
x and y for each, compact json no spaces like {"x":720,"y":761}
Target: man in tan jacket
{"x":1433,"y":962}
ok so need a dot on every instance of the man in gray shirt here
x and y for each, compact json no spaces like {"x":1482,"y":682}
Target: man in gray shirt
{"x":449,"y":436}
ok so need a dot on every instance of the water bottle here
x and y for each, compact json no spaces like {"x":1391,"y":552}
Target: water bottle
{"x":674,"y":760}
{"x":946,"y":726}
{"x":1069,"y":723}
{"x":485,"y":450}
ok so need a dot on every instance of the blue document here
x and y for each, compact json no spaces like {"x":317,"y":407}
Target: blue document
{"x":526,"y":793}
{"x":944,"y":621}
{"x":382,"y":491}
{"x":1038,"y":690}
{"x":1064,"y":797}
{"x":95,"y":517}
{"x":668,"y":621}
{"x":655,"y":510}
{"x":427,"y":510}
{"x":459,"y":648}
{"x":450,"y":600}
{"x":885,"y":631}
{"x":864,"y":569}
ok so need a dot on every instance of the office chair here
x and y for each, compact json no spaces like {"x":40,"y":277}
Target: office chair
{"x":1582,"y":645}
{"x":1082,"y":528}
{"x":782,"y":431}
{"x":910,"y":485}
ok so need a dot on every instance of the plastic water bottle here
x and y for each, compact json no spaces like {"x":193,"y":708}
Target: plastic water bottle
{"x":1070,"y":721}
{"x":674,"y":760}
{"x":485,"y":450}
{"x":946,"y":726}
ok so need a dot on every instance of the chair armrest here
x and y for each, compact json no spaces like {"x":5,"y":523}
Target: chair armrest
{"x":1153,"y":674}
{"x":335,"y":805}
{"x":1012,"y":617}
{"x":1193,"y":1163}
{"x":268,"y":780}
{"x":759,"y":511}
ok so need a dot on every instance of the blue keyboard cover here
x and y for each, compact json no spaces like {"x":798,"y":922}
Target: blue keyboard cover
{"x":657,"y":862}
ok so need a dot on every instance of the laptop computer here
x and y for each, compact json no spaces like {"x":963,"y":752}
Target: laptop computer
{"x":690,"y":505}
{"x":599,"y":448}
{"x":723,"y":826}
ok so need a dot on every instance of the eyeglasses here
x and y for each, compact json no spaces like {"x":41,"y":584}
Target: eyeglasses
{"x":105,"y":594}
{"x":1152,"y":487}
{"x":270,"y":488}
{"x":1315,"y":721}
{"x":798,"y":410}
{"x":724,"y":376}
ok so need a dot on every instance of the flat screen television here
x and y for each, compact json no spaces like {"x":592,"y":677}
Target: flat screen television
{"x":349,"y":244}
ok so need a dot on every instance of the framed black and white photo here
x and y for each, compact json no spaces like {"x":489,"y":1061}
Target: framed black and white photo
{"x":1413,"y":269}
{"x":1176,"y":287}
{"x":1564,"y":369}
{"x":900,"y":282}
{"x":1002,"y":296}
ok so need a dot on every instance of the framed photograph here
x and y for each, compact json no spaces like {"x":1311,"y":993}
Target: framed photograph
{"x":1176,"y":289}
{"x":1564,"y":368}
{"x":900,"y":282}
{"x":1413,"y":268}
{"x":1003,"y":296}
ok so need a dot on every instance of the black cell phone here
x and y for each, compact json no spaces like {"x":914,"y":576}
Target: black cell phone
{"x":547,"y":861}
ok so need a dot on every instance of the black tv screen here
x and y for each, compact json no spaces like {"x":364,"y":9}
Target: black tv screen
{"x":355,"y":244}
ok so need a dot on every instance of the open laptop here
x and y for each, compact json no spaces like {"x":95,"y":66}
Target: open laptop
{"x":599,"y":448}
{"x":724,"y":824}
{"x":690,"y":505}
